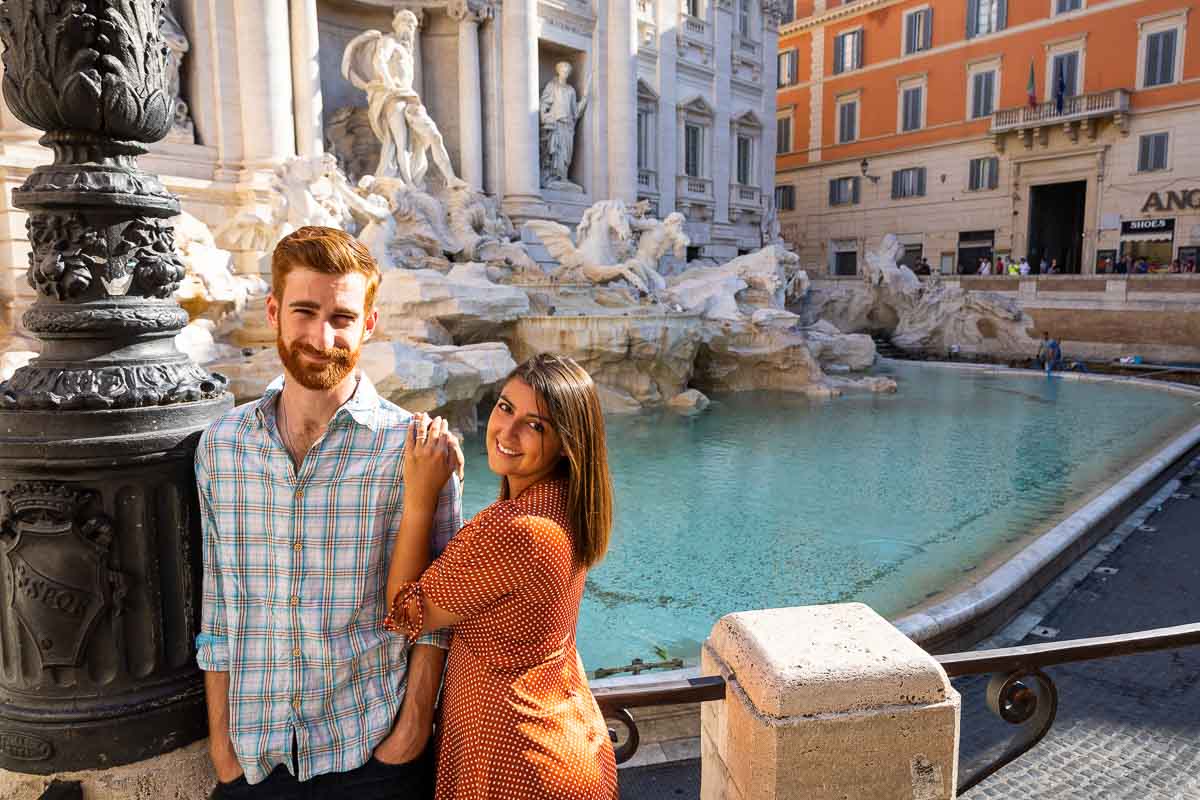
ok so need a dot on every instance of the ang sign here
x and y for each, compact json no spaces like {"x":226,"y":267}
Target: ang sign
{"x":1175,"y":201}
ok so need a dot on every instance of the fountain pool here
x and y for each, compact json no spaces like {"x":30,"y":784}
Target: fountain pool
{"x":769,"y":499}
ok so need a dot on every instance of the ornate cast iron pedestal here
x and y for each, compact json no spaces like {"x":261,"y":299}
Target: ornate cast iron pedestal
{"x":99,"y":540}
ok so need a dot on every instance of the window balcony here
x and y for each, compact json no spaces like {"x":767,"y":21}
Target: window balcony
{"x":1084,"y":110}
{"x":694,"y":190}
{"x":695,"y":29}
{"x":647,"y":180}
{"x":744,"y":197}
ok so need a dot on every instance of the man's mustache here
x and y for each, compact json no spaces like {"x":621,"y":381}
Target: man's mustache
{"x":340,"y":354}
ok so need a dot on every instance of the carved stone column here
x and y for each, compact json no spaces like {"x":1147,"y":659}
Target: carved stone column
{"x":99,"y":551}
{"x":522,"y":180}
{"x":469,"y":14}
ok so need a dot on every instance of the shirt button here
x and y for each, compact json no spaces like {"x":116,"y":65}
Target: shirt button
{"x":296,"y":652}
{"x":295,"y":600}
{"x":297,"y":547}
{"x":299,"y":493}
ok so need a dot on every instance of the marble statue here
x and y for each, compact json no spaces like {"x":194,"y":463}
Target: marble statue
{"x":411,"y":228}
{"x":591,"y":253}
{"x":177,"y":46}
{"x":560,"y":113}
{"x":657,"y":239}
{"x":486,"y":235}
{"x":383,"y":66}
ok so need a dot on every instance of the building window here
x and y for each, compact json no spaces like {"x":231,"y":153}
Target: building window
{"x":1152,"y":152}
{"x":789,"y":12}
{"x":693,"y":9}
{"x":787,"y":68}
{"x":986,"y":16}
{"x":693,"y":150}
{"x":1160,"y":58}
{"x":847,"y":121}
{"x":1063,"y":6}
{"x":745,"y":161}
{"x":918,"y":31}
{"x":844,"y":191}
{"x":1064,"y":74}
{"x":908,"y":183}
{"x":912,"y":107}
{"x":847,"y":51}
{"x":984,"y":173}
{"x":783,"y":135}
{"x":983,"y":94}
{"x":645,"y":139}
{"x":785,"y":198}
{"x":743,"y":18}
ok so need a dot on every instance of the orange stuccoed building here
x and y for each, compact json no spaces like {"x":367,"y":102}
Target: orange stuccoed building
{"x":1063,"y":131}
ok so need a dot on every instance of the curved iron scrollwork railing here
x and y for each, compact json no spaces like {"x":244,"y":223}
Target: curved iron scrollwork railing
{"x":1019,"y":692}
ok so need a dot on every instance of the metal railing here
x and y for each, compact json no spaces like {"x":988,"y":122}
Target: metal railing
{"x":1019,"y":692}
{"x":1078,"y":107}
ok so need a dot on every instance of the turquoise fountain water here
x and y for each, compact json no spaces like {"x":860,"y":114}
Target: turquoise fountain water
{"x":769,"y":499}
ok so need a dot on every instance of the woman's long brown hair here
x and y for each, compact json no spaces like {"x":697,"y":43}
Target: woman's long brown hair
{"x":572,"y":405}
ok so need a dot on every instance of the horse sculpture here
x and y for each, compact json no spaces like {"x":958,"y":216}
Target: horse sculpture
{"x":591,"y":253}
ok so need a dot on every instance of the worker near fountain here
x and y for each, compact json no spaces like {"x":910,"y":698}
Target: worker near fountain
{"x":301,"y":497}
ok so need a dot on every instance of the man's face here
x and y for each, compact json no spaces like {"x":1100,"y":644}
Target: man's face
{"x":563,"y":69}
{"x":320,"y":326}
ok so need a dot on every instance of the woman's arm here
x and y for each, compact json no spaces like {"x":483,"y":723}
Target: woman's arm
{"x":427,"y":467}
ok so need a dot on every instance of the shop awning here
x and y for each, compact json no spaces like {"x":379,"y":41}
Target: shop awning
{"x":1149,"y":236}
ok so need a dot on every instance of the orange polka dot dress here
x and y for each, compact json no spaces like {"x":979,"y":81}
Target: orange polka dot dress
{"x":518,"y":719}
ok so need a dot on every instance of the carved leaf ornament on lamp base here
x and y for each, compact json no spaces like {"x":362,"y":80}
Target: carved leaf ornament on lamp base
{"x":99,"y":534}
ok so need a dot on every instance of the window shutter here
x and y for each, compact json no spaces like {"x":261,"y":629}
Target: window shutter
{"x":973,"y":174}
{"x":1153,"y":50}
{"x":927,"y":28}
{"x":977,"y":96}
{"x":1144,"y":154}
{"x":858,"y":49}
{"x":1072,"y":75}
{"x":921,"y":182}
{"x":895,"y":184}
{"x":1001,"y":14}
{"x":989,"y":103}
{"x":909,"y":29}
{"x":851,"y":110}
{"x":972,"y":17}
{"x":854,"y":182}
{"x":839,"y":51}
{"x":1166,"y":70}
{"x":1160,"y":151}
{"x":993,"y":173}
{"x":833,"y":192}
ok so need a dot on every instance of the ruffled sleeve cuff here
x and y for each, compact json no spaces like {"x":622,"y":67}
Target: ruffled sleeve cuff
{"x":407,"y":614}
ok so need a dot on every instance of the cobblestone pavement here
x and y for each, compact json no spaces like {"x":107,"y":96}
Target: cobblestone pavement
{"x":1126,"y":727}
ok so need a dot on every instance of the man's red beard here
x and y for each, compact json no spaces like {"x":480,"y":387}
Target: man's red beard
{"x":339,"y":362}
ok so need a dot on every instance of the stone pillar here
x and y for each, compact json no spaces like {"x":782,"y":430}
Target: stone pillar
{"x":470,"y":93}
{"x":99,"y":520}
{"x":722,"y":146}
{"x":522,"y":180}
{"x":622,"y":101}
{"x":825,"y":703}
{"x":770,"y":73}
{"x":265,"y":82}
{"x":667,"y":150}
{"x":307,"y":104}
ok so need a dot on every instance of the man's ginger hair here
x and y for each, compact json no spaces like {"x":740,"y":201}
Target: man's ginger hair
{"x":327,"y":250}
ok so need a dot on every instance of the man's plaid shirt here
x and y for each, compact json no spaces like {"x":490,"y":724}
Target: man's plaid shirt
{"x":295,"y":567}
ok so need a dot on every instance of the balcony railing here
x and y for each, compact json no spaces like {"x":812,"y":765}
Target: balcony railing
{"x":690,"y":188}
{"x":695,"y":28}
{"x":648,"y":180}
{"x":743,"y":196}
{"x":1074,"y":109}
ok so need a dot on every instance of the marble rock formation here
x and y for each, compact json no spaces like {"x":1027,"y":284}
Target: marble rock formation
{"x":832,"y":348}
{"x":210,"y":286}
{"x":931,"y":317}
{"x":199,"y":341}
{"x":464,"y":301}
{"x":766,"y":278}
{"x":639,"y":359}
{"x":689,"y":402}
{"x":446,"y":380}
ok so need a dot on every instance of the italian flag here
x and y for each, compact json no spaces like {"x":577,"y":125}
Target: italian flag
{"x":1031,"y":87}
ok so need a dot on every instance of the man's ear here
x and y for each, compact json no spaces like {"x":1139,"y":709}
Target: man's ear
{"x":369,"y":324}
{"x":273,"y":311}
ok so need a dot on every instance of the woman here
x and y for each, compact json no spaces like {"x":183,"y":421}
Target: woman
{"x":518,"y":720}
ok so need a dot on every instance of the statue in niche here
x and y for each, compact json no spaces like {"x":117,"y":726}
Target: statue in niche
{"x":383,"y":66}
{"x":560,"y":113}
{"x":178,"y":46}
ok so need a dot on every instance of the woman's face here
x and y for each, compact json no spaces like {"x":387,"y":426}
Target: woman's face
{"x":521,"y":444}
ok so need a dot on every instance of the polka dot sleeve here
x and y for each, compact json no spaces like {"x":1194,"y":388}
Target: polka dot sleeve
{"x":498,"y":557}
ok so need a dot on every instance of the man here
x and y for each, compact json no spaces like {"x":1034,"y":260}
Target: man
{"x":1049,"y":353}
{"x":559,"y":113}
{"x":301,"y":494}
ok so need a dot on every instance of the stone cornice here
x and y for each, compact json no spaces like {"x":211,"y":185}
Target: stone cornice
{"x":834,"y":14}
